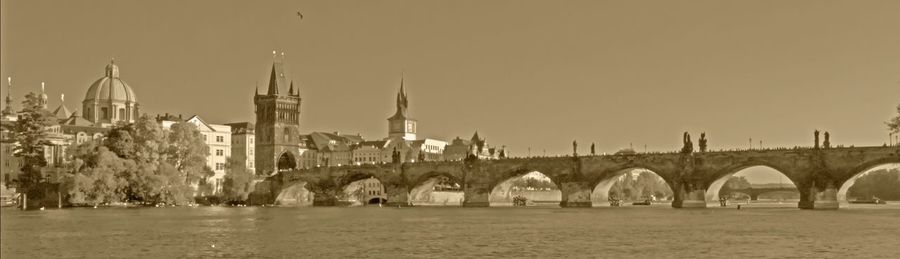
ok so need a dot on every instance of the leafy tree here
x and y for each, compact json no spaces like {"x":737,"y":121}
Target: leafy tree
{"x":894,"y":123}
{"x":173,"y":189}
{"x":149,"y":178}
{"x":737,"y":182}
{"x":187,"y":151}
{"x":101,"y":182}
{"x":32,"y":135}
{"x":629,"y":187}
{"x":238,"y":180}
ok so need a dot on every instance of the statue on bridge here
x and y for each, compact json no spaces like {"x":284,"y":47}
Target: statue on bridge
{"x":395,"y":156}
{"x":688,"y":145}
{"x":702,"y":142}
{"x":816,"y":135}
{"x":574,"y":148}
{"x":593,"y":150}
{"x":827,"y":142}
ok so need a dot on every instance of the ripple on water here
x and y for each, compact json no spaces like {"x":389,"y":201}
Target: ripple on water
{"x":447,"y":232}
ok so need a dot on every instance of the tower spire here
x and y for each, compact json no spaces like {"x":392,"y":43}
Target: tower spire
{"x":276,"y":78}
{"x":8,"y":109}
{"x":291,"y":90}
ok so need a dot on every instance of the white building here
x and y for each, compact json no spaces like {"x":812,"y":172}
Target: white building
{"x":242,"y":143}
{"x":218,"y":138}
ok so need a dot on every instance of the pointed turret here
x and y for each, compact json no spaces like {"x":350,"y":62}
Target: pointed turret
{"x":291,"y":91}
{"x":62,"y":112}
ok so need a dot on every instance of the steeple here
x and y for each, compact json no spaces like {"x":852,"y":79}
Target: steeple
{"x":276,"y":78}
{"x":402,"y":101}
{"x":8,"y":110}
{"x":401,"y":125}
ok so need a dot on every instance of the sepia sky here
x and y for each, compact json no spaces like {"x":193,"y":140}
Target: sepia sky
{"x":525,"y":74}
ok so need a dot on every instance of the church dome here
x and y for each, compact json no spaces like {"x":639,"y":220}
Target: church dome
{"x":110,"y":87}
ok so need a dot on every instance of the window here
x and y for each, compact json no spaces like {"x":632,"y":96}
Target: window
{"x":219,"y":152}
{"x":220,"y":139}
{"x":121,"y":113}
{"x":220,"y":166}
{"x":251,"y":151}
{"x":251,"y":140}
{"x":104,"y":112}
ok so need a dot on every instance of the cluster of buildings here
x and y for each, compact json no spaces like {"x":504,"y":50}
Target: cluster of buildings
{"x":273,"y":143}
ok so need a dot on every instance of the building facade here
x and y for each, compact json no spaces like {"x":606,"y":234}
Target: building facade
{"x":459,"y":149}
{"x":243,"y":144}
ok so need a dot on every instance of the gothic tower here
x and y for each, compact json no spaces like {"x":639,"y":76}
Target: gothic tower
{"x":277,"y":124}
{"x":401,"y":125}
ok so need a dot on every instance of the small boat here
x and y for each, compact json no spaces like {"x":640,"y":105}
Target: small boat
{"x":869,"y":201}
{"x":645,"y":202}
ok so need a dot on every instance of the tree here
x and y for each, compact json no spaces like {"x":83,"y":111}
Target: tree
{"x":187,"y":151}
{"x":737,"y":182}
{"x":148,"y":178}
{"x":32,"y":135}
{"x":238,"y":180}
{"x":894,"y":123}
{"x":99,"y":181}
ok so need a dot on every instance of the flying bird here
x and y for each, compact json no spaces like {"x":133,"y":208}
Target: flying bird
{"x":300,"y":15}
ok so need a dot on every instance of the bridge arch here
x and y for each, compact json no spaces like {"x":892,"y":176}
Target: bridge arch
{"x":892,"y":163}
{"x":295,"y":194}
{"x":538,"y":188}
{"x":286,"y":161}
{"x":600,"y":195}
{"x":437,"y":189}
{"x":356,"y":188}
{"x":722,"y":177}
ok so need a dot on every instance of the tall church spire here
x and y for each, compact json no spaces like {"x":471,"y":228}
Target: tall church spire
{"x":402,"y":101}
{"x":8,"y":110}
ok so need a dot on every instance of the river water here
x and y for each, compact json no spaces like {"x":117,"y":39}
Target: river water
{"x":658,"y":231}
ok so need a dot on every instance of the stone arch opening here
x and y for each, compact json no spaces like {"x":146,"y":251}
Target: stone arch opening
{"x":437,"y":189}
{"x":873,"y":185}
{"x":286,"y":162}
{"x":296,"y":195}
{"x":632,"y":186}
{"x":526,"y":188}
{"x":752,"y":181}
{"x":360,"y":190}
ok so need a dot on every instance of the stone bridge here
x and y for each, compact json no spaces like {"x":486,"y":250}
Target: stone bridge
{"x":819,"y":174}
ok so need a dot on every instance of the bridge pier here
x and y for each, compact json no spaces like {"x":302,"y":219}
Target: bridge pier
{"x":695,"y":198}
{"x":397,"y":196}
{"x":575,"y":195}
{"x":816,"y":199}
{"x":476,"y":195}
